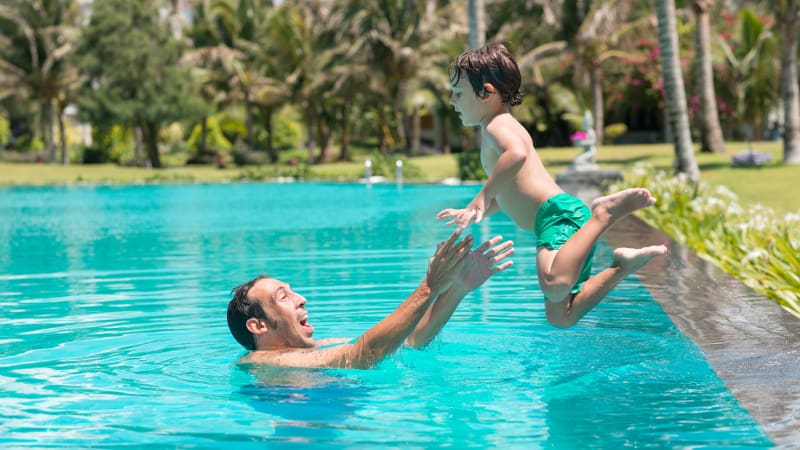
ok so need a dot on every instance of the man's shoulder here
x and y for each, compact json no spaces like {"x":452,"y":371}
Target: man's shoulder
{"x":321,"y":355}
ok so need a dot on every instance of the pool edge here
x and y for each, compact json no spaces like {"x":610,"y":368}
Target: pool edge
{"x":751,"y":342}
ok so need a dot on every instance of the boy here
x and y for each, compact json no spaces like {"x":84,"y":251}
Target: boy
{"x":485,"y":85}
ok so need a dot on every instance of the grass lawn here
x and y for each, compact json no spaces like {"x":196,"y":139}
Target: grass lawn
{"x":773,"y":185}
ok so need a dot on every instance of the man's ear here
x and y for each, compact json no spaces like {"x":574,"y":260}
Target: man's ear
{"x":256,"y":326}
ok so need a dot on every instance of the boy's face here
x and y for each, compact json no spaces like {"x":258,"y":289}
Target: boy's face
{"x":470,"y":108}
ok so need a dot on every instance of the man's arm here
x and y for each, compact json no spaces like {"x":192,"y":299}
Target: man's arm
{"x":388,"y":334}
{"x":482,"y":263}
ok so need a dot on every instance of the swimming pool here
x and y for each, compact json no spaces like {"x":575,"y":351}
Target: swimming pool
{"x":113,"y":333}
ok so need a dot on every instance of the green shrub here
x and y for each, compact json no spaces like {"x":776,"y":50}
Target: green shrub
{"x":215,"y":139}
{"x":469,"y":165}
{"x":271,"y":172}
{"x":5,"y":132}
{"x":752,"y":244}
{"x":613,"y":131}
{"x":287,"y":132}
{"x":94,"y":155}
{"x":386,"y":166}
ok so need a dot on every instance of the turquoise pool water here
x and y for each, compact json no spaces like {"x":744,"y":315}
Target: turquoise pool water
{"x":113,"y":331}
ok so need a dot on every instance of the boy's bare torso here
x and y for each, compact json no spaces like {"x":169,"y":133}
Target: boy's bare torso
{"x":532,"y":184}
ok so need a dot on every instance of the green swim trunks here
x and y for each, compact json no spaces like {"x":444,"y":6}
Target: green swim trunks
{"x":557,"y":220}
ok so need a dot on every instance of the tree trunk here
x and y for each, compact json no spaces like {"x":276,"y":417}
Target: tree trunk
{"x":445,"y":133}
{"x":385,"y":133}
{"x":150,"y":135}
{"x":674,"y":92}
{"x":248,"y":108}
{"x":203,"y":135}
{"x":597,"y":103}
{"x":787,"y":18}
{"x":47,"y":131}
{"x":323,"y":135}
{"x":476,"y":14}
{"x":415,"y":131}
{"x":401,"y":118}
{"x":137,"y":144}
{"x":344,"y":147}
{"x":273,"y":155}
{"x":708,"y":118}
{"x":310,"y":145}
{"x":62,"y":135}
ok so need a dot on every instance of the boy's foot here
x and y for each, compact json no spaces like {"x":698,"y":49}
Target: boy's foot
{"x":613,"y":207}
{"x":632,"y":259}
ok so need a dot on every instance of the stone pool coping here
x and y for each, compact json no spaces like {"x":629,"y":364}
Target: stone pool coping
{"x":751,"y":343}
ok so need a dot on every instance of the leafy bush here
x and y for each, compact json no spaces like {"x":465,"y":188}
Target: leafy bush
{"x":386,"y":166}
{"x":613,"y":131}
{"x":95,"y":155}
{"x":469,"y":165}
{"x":752,"y":244}
{"x":215,"y":139}
{"x":265,"y":173}
{"x":5,"y":132}
{"x":287,"y":132}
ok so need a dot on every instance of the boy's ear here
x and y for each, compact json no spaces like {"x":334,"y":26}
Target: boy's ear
{"x":488,"y":87}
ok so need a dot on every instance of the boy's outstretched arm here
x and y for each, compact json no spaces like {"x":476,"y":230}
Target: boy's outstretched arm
{"x":512,"y":156}
{"x":481,"y":264}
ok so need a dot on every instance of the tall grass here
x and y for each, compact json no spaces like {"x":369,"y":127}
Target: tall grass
{"x":753,"y":244}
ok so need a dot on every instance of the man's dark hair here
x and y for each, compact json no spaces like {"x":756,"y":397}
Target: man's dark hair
{"x":492,"y":64}
{"x":243,"y":307}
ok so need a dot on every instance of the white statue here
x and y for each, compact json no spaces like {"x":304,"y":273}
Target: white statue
{"x":586,"y":159}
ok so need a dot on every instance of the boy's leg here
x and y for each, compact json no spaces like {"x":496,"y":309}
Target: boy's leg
{"x":626,"y":261}
{"x":558,"y":270}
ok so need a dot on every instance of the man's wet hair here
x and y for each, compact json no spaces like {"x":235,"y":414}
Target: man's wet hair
{"x":243,"y":307}
{"x":491,"y":64}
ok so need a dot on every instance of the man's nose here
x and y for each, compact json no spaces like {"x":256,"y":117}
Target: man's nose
{"x":301,"y":301}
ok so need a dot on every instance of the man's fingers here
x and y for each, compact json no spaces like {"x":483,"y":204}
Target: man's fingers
{"x":487,"y":244}
{"x":503,"y":266}
{"x":499,"y":257}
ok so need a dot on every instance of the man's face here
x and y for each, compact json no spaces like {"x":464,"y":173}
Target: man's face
{"x":287,"y":308}
{"x":469,"y":106}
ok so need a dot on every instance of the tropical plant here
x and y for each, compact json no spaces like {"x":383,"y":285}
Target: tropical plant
{"x":130,"y":59}
{"x":37,"y":39}
{"x":752,"y":244}
{"x":750,"y":61}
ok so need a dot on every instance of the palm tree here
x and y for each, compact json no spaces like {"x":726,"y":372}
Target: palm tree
{"x":35,"y":60}
{"x":710,"y":130}
{"x":595,"y":43}
{"x":674,"y":93}
{"x":394,"y":38}
{"x":786,"y":12}
{"x":477,"y":23}
{"x":751,"y":62}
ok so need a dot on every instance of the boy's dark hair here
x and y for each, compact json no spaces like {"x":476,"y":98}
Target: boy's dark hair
{"x":492,"y":64}
{"x":241,"y":308}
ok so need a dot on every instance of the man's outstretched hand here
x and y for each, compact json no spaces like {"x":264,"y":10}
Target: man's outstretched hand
{"x":485,"y":261}
{"x":447,"y":262}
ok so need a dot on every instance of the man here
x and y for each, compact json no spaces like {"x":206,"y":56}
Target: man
{"x":269,"y":318}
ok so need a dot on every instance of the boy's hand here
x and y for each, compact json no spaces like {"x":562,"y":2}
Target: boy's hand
{"x":483,"y":262}
{"x":461,"y":217}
